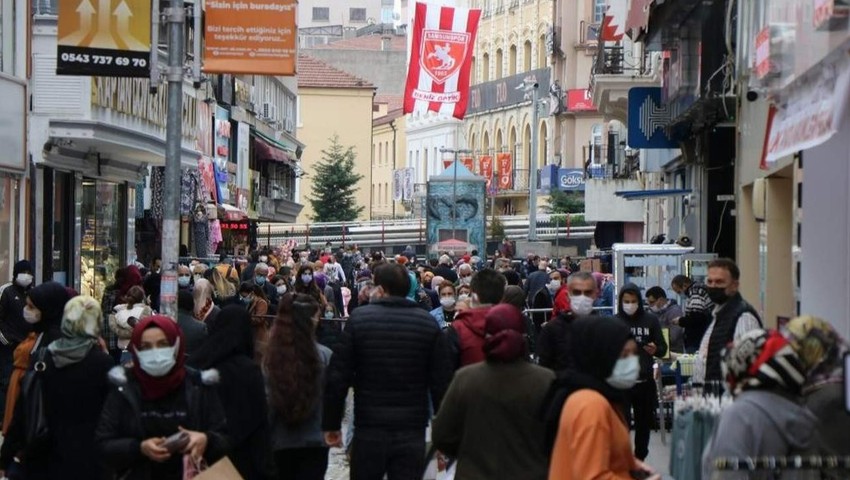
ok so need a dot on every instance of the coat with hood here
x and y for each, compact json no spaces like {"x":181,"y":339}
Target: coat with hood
{"x":645,"y":329}
{"x":666,"y":315}
{"x":760,"y":423}
{"x":13,"y":328}
{"x":466,"y":336}
{"x":229,"y":349}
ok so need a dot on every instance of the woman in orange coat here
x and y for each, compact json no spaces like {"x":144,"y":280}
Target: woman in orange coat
{"x":593,"y":438}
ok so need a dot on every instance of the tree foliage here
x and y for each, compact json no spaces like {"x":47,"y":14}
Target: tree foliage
{"x":566,"y":202}
{"x":335,"y":184}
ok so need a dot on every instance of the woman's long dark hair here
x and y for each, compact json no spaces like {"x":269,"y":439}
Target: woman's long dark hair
{"x":313,"y":288}
{"x":292,"y":361}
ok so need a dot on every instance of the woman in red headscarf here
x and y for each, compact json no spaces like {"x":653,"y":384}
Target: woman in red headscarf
{"x":157,"y":398}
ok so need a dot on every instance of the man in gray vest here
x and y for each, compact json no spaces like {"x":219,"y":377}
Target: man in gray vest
{"x":733,"y":316}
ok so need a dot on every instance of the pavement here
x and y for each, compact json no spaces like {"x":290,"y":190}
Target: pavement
{"x":659,"y":459}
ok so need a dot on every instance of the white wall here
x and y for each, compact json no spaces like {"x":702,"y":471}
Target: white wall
{"x":430,"y":133}
{"x":825,"y":240}
{"x":601,"y":205}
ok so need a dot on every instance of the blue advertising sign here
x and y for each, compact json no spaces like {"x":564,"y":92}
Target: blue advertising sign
{"x":571,"y":179}
{"x":548,"y":178}
{"x":649,"y":118}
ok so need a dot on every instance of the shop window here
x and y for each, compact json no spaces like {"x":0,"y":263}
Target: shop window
{"x":321,"y":14}
{"x":102,"y":246}
{"x":7,"y":36}
{"x":7,"y":226}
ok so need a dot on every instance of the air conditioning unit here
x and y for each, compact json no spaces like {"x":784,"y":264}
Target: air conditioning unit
{"x":267,"y":110}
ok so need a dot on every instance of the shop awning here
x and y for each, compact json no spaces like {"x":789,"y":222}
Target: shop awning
{"x":642,"y":194}
{"x":266,"y":150}
{"x":230,"y":213}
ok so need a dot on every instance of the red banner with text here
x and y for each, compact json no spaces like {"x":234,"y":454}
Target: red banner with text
{"x":506,"y":171}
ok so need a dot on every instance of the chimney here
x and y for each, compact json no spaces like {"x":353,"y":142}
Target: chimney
{"x":385,"y":43}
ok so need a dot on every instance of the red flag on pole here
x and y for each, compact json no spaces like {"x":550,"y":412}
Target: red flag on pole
{"x":441,"y":59}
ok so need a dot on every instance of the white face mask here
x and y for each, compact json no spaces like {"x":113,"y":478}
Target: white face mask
{"x":626,"y":373}
{"x":306,"y":278}
{"x":630,"y":308}
{"x":581,"y":304}
{"x":462,"y":297}
{"x":554,"y":285}
{"x":31,"y":315}
{"x":157,"y":362}
{"x":24,"y":279}
{"x":448,"y":302}
{"x":264,"y":259}
{"x":466,"y":280}
{"x":281,"y":289}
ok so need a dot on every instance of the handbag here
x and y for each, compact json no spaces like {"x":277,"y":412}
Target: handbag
{"x":35,"y":418}
{"x":220,"y":470}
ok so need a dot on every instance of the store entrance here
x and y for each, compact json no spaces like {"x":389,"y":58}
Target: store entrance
{"x":103,"y":240}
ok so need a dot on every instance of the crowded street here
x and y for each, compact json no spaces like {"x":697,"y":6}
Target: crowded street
{"x":425,"y":240}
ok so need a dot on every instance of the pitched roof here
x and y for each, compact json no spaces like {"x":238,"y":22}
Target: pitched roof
{"x":398,"y":43}
{"x":393,"y":102}
{"x":318,"y":74}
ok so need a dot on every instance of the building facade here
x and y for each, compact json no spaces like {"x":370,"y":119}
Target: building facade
{"x":334,"y":103}
{"x":389,"y":139}
{"x":326,"y":21}
{"x":16,"y":239}
{"x":380,"y":58}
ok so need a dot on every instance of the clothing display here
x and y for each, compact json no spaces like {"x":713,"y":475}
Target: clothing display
{"x":692,"y":431}
{"x":201,"y":236}
{"x":157,"y":189}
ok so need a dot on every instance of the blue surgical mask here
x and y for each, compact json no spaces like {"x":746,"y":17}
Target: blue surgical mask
{"x":157,"y":362}
{"x":183,"y":280}
{"x":260,"y":280}
{"x":625,"y":374}
{"x":245,"y":300}
{"x":306,"y":278}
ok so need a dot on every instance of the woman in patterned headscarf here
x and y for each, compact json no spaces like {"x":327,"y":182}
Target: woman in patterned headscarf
{"x":74,"y":387}
{"x":821,"y":351}
{"x":766,"y":376}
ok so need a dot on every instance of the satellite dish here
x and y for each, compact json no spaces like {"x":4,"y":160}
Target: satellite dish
{"x":371,"y":21}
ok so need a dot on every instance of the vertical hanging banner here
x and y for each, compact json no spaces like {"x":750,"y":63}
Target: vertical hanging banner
{"x":407,"y":193}
{"x":251,"y":37}
{"x":441,"y":59}
{"x":109,"y":38}
{"x":398,"y":185}
{"x":506,"y":171}
{"x":485,"y":169}
{"x":469,"y":163}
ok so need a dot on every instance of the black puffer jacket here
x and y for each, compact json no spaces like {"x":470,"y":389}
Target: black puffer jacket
{"x":119,"y":434}
{"x":393,"y":354}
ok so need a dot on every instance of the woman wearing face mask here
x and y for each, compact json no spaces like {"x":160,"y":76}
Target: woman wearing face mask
{"x":646,"y":331}
{"x":229,"y":349}
{"x":43,"y":313}
{"x":445,"y":313}
{"x":125,"y":317}
{"x":765,"y":375}
{"x":254,"y":300}
{"x":281,"y":285}
{"x":294,"y":370}
{"x":592,"y":439}
{"x":472,"y":425}
{"x":305,"y":283}
{"x":155,"y":399}
{"x":74,"y":387}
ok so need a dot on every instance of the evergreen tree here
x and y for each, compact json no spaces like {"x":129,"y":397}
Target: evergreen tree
{"x":334,"y":185}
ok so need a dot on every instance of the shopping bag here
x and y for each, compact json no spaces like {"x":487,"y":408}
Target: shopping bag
{"x":220,"y":470}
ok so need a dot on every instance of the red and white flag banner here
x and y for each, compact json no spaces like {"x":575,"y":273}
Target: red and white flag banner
{"x":441,"y":59}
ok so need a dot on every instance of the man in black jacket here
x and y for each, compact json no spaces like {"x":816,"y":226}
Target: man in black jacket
{"x":13,"y":327}
{"x":698,"y":309}
{"x":646,"y":331}
{"x":393,"y":354}
{"x":553,"y":344}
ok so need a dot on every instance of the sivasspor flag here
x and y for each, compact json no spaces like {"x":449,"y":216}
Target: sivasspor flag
{"x":441,"y":59}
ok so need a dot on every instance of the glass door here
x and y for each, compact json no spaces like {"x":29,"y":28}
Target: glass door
{"x":103,"y":236}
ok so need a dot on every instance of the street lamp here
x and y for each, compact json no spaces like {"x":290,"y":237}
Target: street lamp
{"x":456,"y":153}
{"x":530,"y":87}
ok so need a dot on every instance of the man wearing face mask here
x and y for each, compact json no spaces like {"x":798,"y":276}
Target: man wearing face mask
{"x":13,"y":327}
{"x":261,"y":279}
{"x":553,"y":344}
{"x":464,"y":272}
{"x":733,"y":317}
{"x":646,"y":331}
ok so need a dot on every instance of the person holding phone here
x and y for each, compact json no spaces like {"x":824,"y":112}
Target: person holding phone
{"x":161,"y":410}
{"x":646,"y":331}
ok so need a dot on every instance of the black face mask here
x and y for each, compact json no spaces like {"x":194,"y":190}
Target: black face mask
{"x":717,"y":295}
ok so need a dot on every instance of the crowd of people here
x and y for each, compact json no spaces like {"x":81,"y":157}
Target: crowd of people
{"x":523,"y":369}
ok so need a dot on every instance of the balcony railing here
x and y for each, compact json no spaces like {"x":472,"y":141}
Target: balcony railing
{"x":604,"y":163}
{"x":45,"y":7}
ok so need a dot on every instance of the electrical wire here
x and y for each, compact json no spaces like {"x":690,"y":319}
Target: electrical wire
{"x":720,"y":230}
